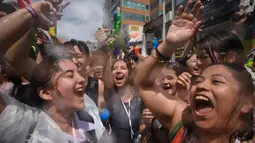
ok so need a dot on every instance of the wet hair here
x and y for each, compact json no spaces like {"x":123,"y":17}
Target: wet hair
{"x":222,"y":42}
{"x":43,"y":73}
{"x":246,"y":89}
{"x":129,"y":67}
{"x":178,"y":68}
{"x":80,"y":44}
{"x":183,"y":60}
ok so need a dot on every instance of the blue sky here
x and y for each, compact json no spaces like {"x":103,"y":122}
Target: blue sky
{"x":81,"y":19}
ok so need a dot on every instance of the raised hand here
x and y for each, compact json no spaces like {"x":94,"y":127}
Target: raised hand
{"x":185,"y":80}
{"x":183,"y":85}
{"x":48,"y":11}
{"x":102,"y":38}
{"x":186,"y":23}
{"x":101,"y":35}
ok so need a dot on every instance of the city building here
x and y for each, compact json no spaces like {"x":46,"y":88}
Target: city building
{"x":135,"y":13}
{"x":217,"y":15}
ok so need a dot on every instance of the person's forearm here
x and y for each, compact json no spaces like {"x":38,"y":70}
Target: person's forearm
{"x":187,"y":48}
{"x":17,"y":55}
{"x":13,"y":27}
{"x":107,"y":77}
{"x":146,"y":67}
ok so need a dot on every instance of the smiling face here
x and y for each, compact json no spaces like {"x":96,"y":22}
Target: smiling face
{"x":70,"y":85}
{"x":168,"y":80}
{"x":120,"y":73}
{"x":214,"y":98}
{"x":191,"y":63}
{"x":80,"y":59}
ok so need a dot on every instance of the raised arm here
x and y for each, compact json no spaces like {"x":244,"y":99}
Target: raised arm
{"x":108,"y":78}
{"x":15,"y":25}
{"x":183,"y":29}
{"x":103,"y":40}
{"x":187,"y":48}
{"x":101,"y":99}
{"x":17,"y":55}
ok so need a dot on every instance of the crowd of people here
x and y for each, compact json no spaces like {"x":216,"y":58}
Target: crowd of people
{"x":55,"y":91}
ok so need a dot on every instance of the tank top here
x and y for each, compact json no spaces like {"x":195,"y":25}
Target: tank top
{"x":119,"y":120}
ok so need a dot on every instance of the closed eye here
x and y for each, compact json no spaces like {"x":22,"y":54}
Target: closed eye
{"x":68,"y":74}
{"x":217,"y":82}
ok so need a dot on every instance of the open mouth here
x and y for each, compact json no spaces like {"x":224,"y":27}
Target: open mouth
{"x":203,"y":104}
{"x":167,"y":87}
{"x":80,"y":91}
{"x":119,"y":77}
{"x":196,"y":69}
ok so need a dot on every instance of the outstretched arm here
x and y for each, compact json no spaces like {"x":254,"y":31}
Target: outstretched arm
{"x":183,"y":29}
{"x":187,"y":48}
{"x":15,"y":25}
{"x":17,"y":55}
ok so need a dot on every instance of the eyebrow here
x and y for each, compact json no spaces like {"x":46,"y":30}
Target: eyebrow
{"x":218,"y":75}
{"x":65,"y":72}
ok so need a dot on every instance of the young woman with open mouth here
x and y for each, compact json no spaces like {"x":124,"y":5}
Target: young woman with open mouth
{"x":59,"y":115}
{"x":189,"y":62}
{"x":221,"y":100}
{"x":124,"y":105}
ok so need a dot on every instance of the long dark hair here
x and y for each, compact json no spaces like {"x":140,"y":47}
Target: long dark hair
{"x":42,"y":76}
{"x":222,"y":42}
{"x":246,"y":89}
{"x":80,"y":44}
{"x":130,"y":81}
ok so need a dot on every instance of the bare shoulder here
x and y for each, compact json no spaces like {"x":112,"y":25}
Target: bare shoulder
{"x":178,"y":113}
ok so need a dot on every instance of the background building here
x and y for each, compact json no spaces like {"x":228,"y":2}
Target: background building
{"x":135,"y":13}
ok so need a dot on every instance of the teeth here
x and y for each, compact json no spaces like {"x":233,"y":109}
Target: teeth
{"x":202,"y":98}
{"x":80,"y":89}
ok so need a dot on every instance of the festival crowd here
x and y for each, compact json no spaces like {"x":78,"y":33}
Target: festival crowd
{"x":56,"y":91}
